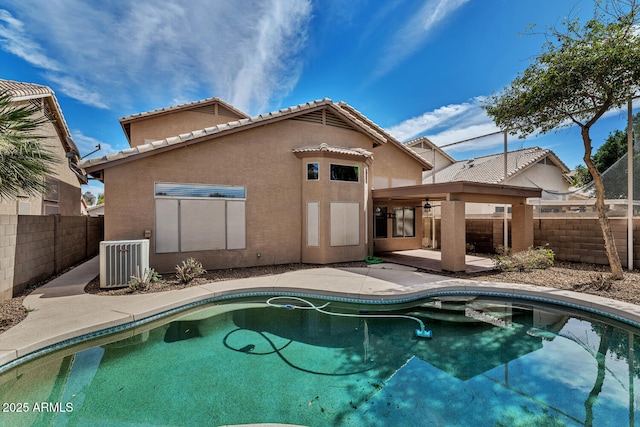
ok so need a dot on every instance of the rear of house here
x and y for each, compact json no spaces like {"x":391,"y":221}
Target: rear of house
{"x":285,"y":187}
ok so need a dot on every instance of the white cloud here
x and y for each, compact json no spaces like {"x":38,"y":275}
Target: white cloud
{"x":14,"y":40}
{"x":427,"y":121}
{"x":414,"y":32}
{"x":245,"y":52}
{"x":73,"y":89}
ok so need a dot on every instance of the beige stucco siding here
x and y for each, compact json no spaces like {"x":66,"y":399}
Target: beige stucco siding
{"x":172,"y":124}
{"x":393,"y":167}
{"x":259,"y":159}
{"x":544,"y":176}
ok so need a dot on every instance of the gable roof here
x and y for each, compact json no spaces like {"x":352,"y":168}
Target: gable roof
{"x":20,"y":91}
{"x":426,"y":165}
{"x":210,"y":105}
{"x":423,"y":140}
{"x":321,"y":111}
{"x":490,"y":169}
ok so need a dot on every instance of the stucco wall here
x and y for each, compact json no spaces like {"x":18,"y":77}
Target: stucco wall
{"x":544,"y":176}
{"x":173,"y":124}
{"x":393,"y":167}
{"x":325,"y":191}
{"x":260,"y":159}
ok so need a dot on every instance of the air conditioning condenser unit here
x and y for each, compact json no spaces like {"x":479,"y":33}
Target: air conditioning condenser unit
{"x":121,"y":259}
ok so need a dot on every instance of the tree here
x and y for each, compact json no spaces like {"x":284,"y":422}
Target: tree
{"x":89,"y":198}
{"x":100,"y":198}
{"x":24,"y":159}
{"x":581,"y":73}
{"x":614,"y":148}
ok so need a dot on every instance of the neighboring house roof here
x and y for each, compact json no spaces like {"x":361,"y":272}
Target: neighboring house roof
{"x":490,"y":169}
{"x":221,"y":107}
{"x":20,"y":91}
{"x":336,"y":114}
{"x":95,"y":209}
{"x":423,"y":140}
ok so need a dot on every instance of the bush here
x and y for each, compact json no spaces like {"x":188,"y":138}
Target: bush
{"x":531,"y":259}
{"x":189,"y":270}
{"x":142,"y":282}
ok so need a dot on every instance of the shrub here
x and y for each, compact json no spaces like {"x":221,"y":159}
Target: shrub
{"x":531,"y":259}
{"x":189,"y":270}
{"x":142,"y":282}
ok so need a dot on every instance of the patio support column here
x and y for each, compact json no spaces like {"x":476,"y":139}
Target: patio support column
{"x":452,"y":236}
{"x":521,"y":227}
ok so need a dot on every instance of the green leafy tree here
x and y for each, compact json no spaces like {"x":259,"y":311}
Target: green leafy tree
{"x":100,"y":198}
{"x":581,"y":73}
{"x":25,"y":160}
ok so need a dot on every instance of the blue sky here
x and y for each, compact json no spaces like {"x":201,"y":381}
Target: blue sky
{"x":414,"y":67}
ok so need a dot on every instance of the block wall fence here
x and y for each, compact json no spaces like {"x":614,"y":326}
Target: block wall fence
{"x":34,"y":248}
{"x":576,"y":240}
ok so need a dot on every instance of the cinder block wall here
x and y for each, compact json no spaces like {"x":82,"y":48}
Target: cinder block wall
{"x":577,"y":240}
{"x":33,"y":248}
{"x":480,"y":235}
{"x":8,"y":233}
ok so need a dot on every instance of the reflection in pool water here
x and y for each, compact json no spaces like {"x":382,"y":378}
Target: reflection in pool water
{"x":491,"y":361}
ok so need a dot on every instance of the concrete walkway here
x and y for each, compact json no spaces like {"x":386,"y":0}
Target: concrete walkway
{"x":61,"y":310}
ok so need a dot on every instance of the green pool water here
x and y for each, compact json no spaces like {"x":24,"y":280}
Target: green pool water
{"x":491,"y":362}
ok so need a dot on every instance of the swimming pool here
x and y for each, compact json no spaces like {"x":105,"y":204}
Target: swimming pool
{"x":492,"y":361}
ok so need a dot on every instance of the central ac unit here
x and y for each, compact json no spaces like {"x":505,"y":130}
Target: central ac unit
{"x":121,"y":259}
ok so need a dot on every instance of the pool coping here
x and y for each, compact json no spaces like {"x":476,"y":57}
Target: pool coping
{"x":81,"y":316}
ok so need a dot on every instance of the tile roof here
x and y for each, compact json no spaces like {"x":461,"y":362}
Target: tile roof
{"x":337,"y":150}
{"x":490,"y":169}
{"x":20,"y":90}
{"x":358,"y":123}
{"x":185,"y":106}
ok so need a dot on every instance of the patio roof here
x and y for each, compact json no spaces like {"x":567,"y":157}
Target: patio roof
{"x":463,"y":191}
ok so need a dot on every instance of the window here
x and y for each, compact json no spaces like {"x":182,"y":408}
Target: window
{"x":53,"y":189}
{"x":380,"y":220}
{"x":344,"y":173}
{"x":200,"y":190}
{"x":197,"y":217}
{"x":312,"y":171}
{"x":404,"y":222}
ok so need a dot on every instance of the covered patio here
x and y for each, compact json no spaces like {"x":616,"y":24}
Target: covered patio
{"x":453,"y":197}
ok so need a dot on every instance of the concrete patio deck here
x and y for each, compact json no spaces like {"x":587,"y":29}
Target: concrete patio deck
{"x":61,"y":310}
{"x":431,"y":260}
